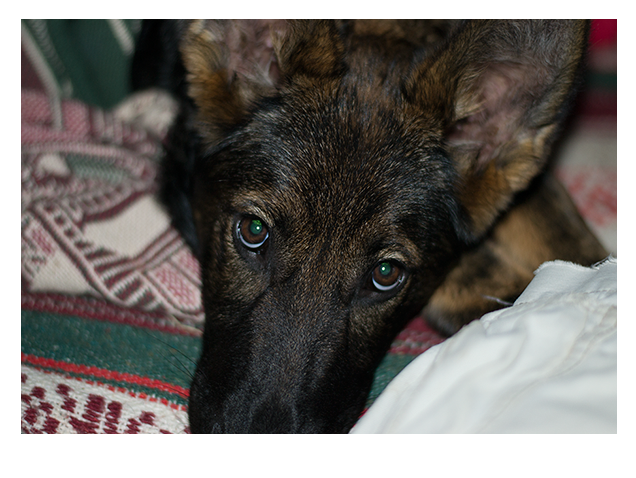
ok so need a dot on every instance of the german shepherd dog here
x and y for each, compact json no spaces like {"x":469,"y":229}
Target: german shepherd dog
{"x":336,"y":178}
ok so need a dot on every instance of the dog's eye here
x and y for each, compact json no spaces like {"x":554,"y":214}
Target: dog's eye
{"x":386,"y":276}
{"x":253,"y":232}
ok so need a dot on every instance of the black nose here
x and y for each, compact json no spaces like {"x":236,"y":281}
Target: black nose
{"x":274,"y":417}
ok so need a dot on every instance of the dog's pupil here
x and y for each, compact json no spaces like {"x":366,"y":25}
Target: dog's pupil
{"x":385,"y":269}
{"x":256,"y":227}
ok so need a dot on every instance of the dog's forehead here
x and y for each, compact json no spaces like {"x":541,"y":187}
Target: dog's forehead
{"x":330,"y":169}
{"x":340,"y":141}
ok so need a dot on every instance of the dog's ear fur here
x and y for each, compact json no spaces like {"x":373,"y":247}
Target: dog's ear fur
{"x":502,"y":89}
{"x":234,"y":63}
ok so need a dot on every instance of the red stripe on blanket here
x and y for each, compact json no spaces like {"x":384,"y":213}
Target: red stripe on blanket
{"x":101,"y":310}
{"x":105,"y":374}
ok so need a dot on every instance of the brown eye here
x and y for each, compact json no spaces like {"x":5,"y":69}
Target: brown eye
{"x":386,"y":276}
{"x":252,"y":232}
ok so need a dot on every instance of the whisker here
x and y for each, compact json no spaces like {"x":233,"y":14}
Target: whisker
{"x":496,"y":299}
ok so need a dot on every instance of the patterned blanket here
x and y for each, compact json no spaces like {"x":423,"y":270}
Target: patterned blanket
{"x":111,"y":304}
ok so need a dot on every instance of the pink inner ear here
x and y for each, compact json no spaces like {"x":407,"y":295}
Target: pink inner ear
{"x":251,"y":48}
{"x":493,"y":111}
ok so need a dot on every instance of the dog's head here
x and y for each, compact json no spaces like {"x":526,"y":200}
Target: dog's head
{"x":340,"y":170}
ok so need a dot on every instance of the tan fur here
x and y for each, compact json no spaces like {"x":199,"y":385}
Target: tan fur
{"x":545,"y":226}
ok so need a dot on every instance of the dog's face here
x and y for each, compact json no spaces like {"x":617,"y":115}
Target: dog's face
{"x":323,"y":234}
{"x":341,"y":170}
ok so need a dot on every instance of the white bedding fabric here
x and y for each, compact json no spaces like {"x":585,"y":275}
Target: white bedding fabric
{"x":545,"y":365}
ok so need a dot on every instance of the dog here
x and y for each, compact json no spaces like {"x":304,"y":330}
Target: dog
{"x":336,"y":178}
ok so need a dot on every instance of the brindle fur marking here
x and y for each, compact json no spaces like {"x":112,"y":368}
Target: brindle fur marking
{"x":357,"y":143}
{"x":543,"y":225}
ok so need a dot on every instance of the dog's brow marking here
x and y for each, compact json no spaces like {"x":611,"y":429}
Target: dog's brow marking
{"x":393,"y":255}
{"x":404,"y":251}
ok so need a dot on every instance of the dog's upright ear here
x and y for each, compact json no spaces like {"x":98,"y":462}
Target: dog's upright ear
{"x":498,"y":92}
{"x":232,"y":64}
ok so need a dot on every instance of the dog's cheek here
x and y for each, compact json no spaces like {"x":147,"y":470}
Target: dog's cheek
{"x":228,"y":279}
{"x":372,"y":328}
